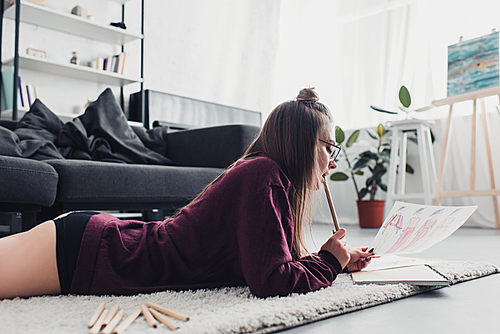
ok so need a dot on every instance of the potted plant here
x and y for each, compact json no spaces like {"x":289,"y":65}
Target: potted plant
{"x":374,"y":162}
{"x":405,"y":100}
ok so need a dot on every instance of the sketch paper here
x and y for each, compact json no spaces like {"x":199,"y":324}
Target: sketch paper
{"x":473,"y":64}
{"x":394,"y":261}
{"x":412,"y":228}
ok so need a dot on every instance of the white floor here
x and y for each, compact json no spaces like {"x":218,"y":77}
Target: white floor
{"x":470,"y":307}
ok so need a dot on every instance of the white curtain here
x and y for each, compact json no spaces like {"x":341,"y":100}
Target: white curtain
{"x":374,"y":47}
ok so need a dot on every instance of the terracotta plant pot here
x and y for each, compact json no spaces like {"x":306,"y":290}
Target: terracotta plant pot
{"x":371,"y":213}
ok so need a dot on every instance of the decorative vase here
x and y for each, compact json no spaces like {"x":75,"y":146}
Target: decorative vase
{"x":371,"y":213}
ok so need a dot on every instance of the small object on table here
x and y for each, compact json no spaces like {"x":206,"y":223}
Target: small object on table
{"x":127,"y":322}
{"x":168,"y":312}
{"x":164,"y":320}
{"x":98,"y":324}
{"x":96,"y":314}
{"x":149,"y":317}
{"x":113,"y":323}
{"x":332,"y":208}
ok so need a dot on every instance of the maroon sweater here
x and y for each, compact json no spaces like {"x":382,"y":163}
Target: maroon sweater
{"x":238,"y":233}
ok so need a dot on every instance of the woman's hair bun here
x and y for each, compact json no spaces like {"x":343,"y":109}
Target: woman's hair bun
{"x":308,"y":95}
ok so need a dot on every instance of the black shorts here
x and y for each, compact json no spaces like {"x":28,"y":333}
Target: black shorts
{"x":69,"y":234}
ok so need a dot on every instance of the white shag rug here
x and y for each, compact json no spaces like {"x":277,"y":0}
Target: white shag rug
{"x":226,"y":310}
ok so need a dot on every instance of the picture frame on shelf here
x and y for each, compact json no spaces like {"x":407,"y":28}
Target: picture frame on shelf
{"x":36,"y":53}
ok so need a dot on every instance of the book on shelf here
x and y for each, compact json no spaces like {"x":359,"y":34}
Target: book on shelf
{"x":26,"y":93}
{"x":115,"y":64}
{"x":38,"y":94}
{"x":22,"y":92}
{"x":100,"y":63}
{"x":121,"y":63}
{"x":31,"y":94}
{"x":114,"y":61}
{"x":109,"y":64}
{"x":19,"y":93}
{"x":421,"y":274}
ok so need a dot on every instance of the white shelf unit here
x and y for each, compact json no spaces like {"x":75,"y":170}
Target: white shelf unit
{"x":59,"y":21}
{"x":72,"y":71}
{"x":69,"y":23}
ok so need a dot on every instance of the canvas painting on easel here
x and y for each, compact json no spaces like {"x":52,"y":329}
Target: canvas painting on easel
{"x":473,"y":64}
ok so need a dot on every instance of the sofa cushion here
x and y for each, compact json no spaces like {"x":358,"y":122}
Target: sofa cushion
{"x":216,"y":146}
{"x":95,"y":181}
{"x":27,"y":181}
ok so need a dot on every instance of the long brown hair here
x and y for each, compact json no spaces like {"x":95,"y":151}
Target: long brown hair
{"x":289,"y":137}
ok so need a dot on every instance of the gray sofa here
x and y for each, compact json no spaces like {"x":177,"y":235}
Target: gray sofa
{"x":33,"y":191}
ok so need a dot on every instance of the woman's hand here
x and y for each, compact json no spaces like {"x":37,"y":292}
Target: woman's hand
{"x":338,"y":247}
{"x":354,"y":258}
{"x":359,"y":258}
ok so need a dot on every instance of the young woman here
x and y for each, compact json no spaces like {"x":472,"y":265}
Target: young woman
{"x":246,"y":228}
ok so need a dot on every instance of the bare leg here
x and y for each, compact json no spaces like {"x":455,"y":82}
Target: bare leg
{"x":28,"y":264}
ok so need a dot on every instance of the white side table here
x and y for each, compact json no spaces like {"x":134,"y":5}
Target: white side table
{"x":396,"y":189}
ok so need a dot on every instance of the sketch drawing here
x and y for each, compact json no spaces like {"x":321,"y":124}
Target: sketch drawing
{"x":394,"y":224}
{"x":407,"y":231}
{"x":422,"y":231}
{"x":412,"y":228}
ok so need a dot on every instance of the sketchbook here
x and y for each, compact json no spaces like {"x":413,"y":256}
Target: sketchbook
{"x":413,"y":228}
{"x":414,"y":275}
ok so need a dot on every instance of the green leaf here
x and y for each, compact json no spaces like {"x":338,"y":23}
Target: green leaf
{"x":380,"y":130}
{"x":339,"y":176}
{"x":361,"y":163}
{"x":372,"y":135}
{"x":383,"y":187}
{"x":352,"y":138}
{"x":339,"y":135}
{"x":359,"y":172}
{"x":369,"y":181}
{"x":383,"y":110}
{"x":424,"y":108}
{"x":362,"y":193}
{"x":404,"y":96}
{"x":368,"y":155}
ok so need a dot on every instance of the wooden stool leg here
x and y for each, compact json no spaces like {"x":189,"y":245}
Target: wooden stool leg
{"x":444,"y":155}
{"x":432,"y":161}
{"x":402,"y":162}
{"x":391,"y":187}
{"x":424,"y":165}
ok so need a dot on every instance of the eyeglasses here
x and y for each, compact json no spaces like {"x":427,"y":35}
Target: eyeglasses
{"x":335,"y":150}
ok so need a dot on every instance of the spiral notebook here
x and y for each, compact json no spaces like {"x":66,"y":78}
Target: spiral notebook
{"x":414,"y":275}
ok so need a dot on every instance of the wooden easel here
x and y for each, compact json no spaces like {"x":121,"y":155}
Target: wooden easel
{"x":493,"y":192}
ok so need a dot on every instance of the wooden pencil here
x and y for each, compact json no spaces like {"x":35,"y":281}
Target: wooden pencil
{"x":111,"y":314}
{"x":113,"y":323}
{"x":96,"y":314}
{"x":168,"y":312}
{"x":149,"y":317}
{"x":98,"y":324}
{"x":127,"y":322}
{"x":164,"y":319}
{"x":332,"y":208}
